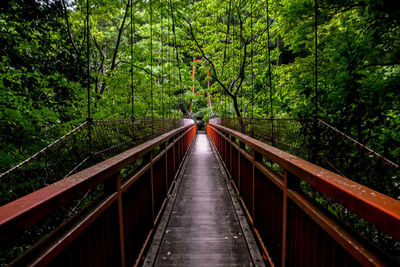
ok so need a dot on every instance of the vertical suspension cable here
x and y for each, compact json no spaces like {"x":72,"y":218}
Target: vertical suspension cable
{"x":252,"y":66}
{"x":269,"y":65}
{"x":162,"y":60}
{"x":132,"y":90}
{"x":88,"y":58}
{"x":226,"y":36}
{"x":175,"y":45}
{"x":226,"y":42}
{"x":316,"y":54}
{"x":270,"y":78}
{"x":169,"y":60}
{"x":315,"y":131}
{"x":88,"y":119}
{"x":151,"y":58}
{"x":233,"y":62}
{"x":209,"y":90}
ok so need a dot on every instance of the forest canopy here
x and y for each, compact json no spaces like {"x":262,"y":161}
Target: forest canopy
{"x":64,"y":63}
{"x":260,"y":54}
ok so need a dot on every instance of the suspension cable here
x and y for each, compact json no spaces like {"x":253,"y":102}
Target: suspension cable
{"x":169,"y":60}
{"x":175,"y":45}
{"x":269,"y":64}
{"x":226,"y":42}
{"x":252,"y":65}
{"x":88,"y":58}
{"x":162,"y":59}
{"x":89,"y":119}
{"x":226,"y":36}
{"x":270,"y":76}
{"x":151,"y":58}
{"x":316,"y":54}
{"x":233,"y":60}
{"x":132,"y":90}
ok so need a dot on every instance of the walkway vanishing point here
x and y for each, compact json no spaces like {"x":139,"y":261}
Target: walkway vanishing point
{"x":203,"y":224}
{"x":169,"y":201}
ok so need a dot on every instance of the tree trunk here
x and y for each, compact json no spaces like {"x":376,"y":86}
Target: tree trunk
{"x":236,"y":106}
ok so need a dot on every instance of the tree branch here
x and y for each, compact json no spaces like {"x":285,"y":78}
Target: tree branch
{"x":77,"y":51}
{"x":215,"y":75}
{"x":143,"y":69}
{"x":121,"y":29}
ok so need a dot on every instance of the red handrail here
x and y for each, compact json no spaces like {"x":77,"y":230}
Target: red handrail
{"x":381,"y":210}
{"x":19,"y":215}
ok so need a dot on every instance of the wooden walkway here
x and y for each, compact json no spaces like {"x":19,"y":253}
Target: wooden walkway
{"x":203,"y":224}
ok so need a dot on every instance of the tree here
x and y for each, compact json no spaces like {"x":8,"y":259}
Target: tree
{"x":232,"y":41}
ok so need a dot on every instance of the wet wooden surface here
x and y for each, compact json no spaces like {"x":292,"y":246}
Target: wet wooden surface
{"x":203,"y":228}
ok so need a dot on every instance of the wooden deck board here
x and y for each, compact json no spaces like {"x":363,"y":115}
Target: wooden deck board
{"x":203,"y":228}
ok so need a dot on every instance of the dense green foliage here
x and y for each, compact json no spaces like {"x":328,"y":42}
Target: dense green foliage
{"x":40,"y":79}
{"x":358,"y":62}
{"x":43,"y":65}
{"x":242,"y":43}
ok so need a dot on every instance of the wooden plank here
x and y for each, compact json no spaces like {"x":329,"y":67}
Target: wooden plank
{"x":203,"y":227}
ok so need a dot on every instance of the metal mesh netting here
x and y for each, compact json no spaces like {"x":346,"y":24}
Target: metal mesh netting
{"x":318,"y":142}
{"x":346,"y":156}
{"x":69,"y":154}
{"x":285,"y":134}
{"x":76,"y":151}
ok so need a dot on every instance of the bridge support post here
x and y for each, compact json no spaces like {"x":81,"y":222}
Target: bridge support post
{"x":120,"y":219}
{"x":290,"y":181}
{"x":165,"y":145}
{"x":112,"y":186}
{"x":232,"y":141}
{"x":241,"y":146}
{"x":152,"y":186}
{"x":173,"y":155}
{"x":257,"y":157}
{"x":284,"y":217}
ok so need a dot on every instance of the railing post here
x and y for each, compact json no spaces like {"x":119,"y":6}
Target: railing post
{"x":166,"y":168}
{"x":256,"y":157}
{"x":289,"y":182}
{"x":112,"y":185}
{"x":152,"y":186}
{"x":243,"y":147}
{"x":148,"y":158}
{"x":226,"y":142}
{"x":120,"y":220}
{"x":284,"y":218}
{"x":173,"y":154}
{"x":163,"y":146}
{"x":232,"y":140}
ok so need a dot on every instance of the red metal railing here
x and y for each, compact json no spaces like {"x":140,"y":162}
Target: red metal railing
{"x":291,"y":228}
{"x":111,"y":231}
